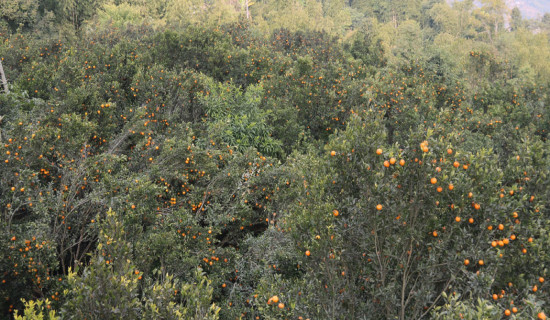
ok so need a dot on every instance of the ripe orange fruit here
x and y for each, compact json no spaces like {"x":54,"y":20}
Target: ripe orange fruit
{"x":466,"y":262}
{"x":275,"y":299}
{"x":535,"y":288}
{"x":456,"y":164}
{"x":401,"y":162}
{"x":506,"y":241}
{"x":470,"y":194}
{"x":493,"y":244}
{"x":471,"y":220}
{"x":281,"y":305}
{"x":333,"y":153}
{"x":515,"y":310}
{"x":308,"y":253}
{"x":386,"y":164}
{"x":392,"y":161}
{"x":335,"y":212}
{"x":501,"y":227}
{"x":434,"y":233}
{"x":439,"y":189}
{"x":451,"y":187}
{"x":465,"y":167}
{"x":495,"y":296}
{"x":507,"y":312}
{"x":541,"y":316}
{"x":457,"y":219}
{"x":433,"y":180}
{"x":541,"y":279}
{"x":450,"y":151}
{"x":378,"y":151}
{"x":378,"y":207}
{"x":481,"y":262}
{"x":477,"y":206}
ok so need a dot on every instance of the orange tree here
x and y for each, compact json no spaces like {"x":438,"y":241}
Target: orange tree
{"x":389,"y":233}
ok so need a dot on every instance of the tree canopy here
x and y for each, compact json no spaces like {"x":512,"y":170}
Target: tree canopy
{"x":267,"y":159}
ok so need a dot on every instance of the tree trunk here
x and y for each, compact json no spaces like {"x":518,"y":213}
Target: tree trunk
{"x":4,"y":81}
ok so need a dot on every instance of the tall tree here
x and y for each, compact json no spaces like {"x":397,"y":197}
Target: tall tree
{"x":516,"y":20}
{"x":491,"y":17}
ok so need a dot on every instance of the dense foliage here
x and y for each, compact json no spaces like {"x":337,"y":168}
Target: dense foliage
{"x":274,"y":160}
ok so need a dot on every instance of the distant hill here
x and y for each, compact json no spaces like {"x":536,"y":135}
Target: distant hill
{"x":531,"y":8}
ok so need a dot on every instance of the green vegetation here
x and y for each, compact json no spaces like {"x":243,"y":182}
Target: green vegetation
{"x":273,"y":159}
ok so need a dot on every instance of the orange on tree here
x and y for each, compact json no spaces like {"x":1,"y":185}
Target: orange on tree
{"x":433,"y":180}
{"x":378,"y":151}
